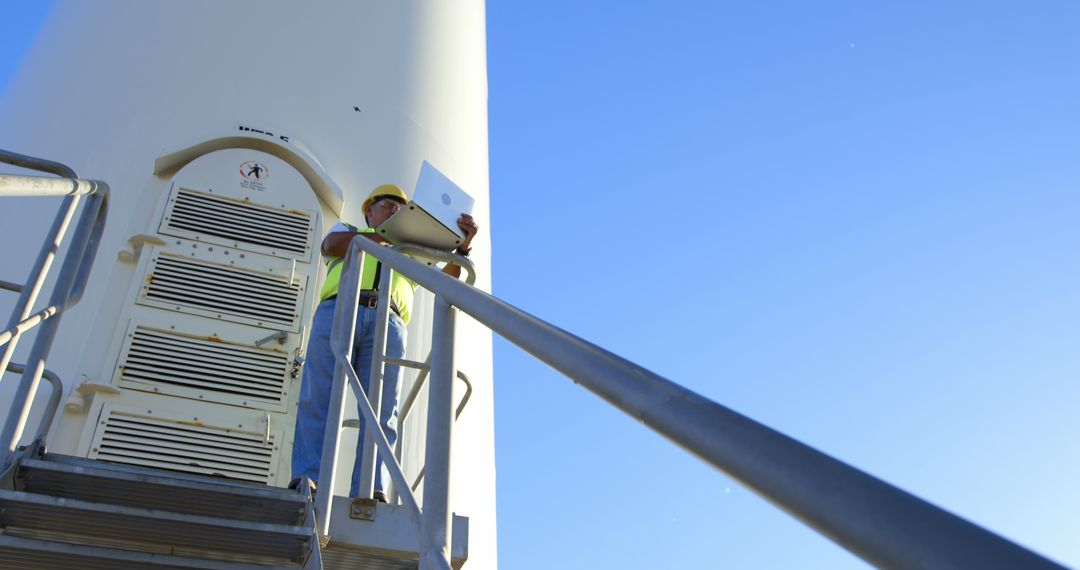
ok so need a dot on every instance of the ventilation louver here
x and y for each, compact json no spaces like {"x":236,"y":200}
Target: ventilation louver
{"x":190,"y":447}
{"x":204,"y":368}
{"x":239,"y":223}
{"x":223,"y":292}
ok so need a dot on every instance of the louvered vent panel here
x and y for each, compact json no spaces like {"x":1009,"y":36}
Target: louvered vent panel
{"x":239,"y":223}
{"x":217,"y":370}
{"x":185,"y":447}
{"x":224,"y":292}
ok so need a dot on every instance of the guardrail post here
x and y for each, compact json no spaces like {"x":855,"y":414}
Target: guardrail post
{"x":375,"y":385}
{"x":436,"y":513}
{"x":342,"y":334}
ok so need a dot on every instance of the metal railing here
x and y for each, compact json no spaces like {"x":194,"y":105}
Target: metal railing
{"x":407,"y":406}
{"x":880,"y":523}
{"x":432,"y":525}
{"x":410,"y":400}
{"x":54,"y":399}
{"x":69,"y":287}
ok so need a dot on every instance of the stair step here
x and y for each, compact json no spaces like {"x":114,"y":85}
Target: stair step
{"x":72,"y":516}
{"x":333,"y":557}
{"x":147,"y":488}
{"x":21,"y":553}
{"x":178,"y":475}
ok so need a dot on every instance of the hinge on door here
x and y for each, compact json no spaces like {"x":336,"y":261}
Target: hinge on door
{"x":280,"y":337}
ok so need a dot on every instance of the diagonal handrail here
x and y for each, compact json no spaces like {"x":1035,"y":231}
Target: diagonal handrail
{"x":876,"y":521}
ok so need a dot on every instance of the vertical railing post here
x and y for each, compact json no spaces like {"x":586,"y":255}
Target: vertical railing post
{"x":436,"y":513}
{"x":342,"y":334}
{"x":375,"y":384}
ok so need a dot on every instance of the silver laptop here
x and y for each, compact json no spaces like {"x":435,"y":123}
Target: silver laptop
{"x":430,"y":218}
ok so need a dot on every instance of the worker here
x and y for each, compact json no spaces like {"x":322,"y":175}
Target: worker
{"x":383,"y":202}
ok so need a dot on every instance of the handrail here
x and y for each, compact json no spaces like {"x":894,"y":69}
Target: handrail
{"x":410,"y":401}
{"x":414,"y":392}
{"x":457,"y":414}
{"x":28,"y":293}
{"x":341,"y":341}
{"x":880,"y":523}
{"x":70,"y":283}
{"x":433,"y":525}
{"x":38,"y":164}
{"x":54,"y":399}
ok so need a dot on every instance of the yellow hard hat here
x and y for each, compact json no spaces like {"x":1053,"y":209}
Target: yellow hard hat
{"x":384,"y":190}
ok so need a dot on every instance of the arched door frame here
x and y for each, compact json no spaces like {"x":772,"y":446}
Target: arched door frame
{"x":299,"y":158}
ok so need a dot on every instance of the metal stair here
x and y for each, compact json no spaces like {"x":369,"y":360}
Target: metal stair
{"x":69,"y":512}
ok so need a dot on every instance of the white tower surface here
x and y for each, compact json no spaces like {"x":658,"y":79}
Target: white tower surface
{"x":330,"y":99}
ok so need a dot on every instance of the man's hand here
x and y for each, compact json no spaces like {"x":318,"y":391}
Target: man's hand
{"x":469,"y":228}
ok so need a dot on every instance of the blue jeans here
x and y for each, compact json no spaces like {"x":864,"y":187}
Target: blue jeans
{"x":318,"y":378}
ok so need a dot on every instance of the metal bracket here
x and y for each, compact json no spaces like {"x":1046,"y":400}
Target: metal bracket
{"x":135,"y":245}
{"x":363,"y":509}
{"x":34,"y":450}
{"x":79,"y":399}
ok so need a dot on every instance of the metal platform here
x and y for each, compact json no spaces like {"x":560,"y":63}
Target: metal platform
{"x":375,"y":536}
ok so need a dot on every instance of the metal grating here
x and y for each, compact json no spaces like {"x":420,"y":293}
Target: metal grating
{"x":21,"y":549}
{"x":174,"y":531}
{"x":239,"y":223}
{"x":338,"y":558}
{"x":146,"y":488}
{"x":217,"y":370}
{"x":224,"y":292}
{"x":189,"y":447}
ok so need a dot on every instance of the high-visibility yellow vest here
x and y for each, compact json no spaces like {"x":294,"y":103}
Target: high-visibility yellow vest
{"x":401,"y":288}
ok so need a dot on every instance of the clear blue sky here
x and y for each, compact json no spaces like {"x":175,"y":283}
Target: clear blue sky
{"x":852,"y":221}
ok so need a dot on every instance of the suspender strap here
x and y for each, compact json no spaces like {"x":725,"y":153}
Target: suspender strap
{"x":378,"y":273}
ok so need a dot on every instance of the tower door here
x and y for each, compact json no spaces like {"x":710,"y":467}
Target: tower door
{"x":205,"y":365}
